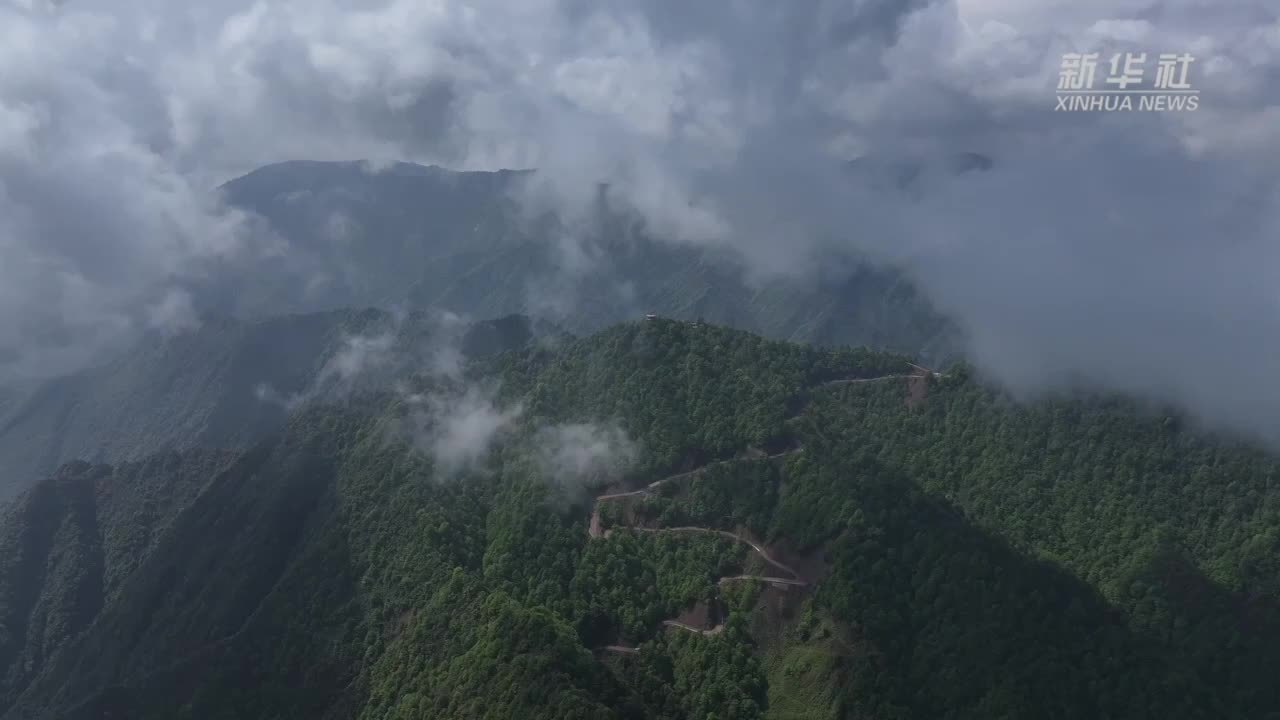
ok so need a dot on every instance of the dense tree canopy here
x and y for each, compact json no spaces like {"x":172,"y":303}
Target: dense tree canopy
{"x":965,"y":556}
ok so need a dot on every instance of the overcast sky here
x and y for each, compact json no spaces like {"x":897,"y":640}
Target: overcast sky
{"x":1132,"y":251}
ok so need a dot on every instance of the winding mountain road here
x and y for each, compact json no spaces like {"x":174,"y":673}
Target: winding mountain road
{"x":725,"y":533}
{"x":925,"y":370}
{"x":856,"y":381}
{"x":764,"y":578}
{"x":920,"y":371}
{"x":596,"y":530}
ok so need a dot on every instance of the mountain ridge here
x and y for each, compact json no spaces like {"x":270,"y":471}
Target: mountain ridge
{"x":334,"y":570}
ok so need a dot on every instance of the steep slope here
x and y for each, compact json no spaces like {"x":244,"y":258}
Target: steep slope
{"x":204,"y":388}
{"x":193,"y":389}
{"x":961,"y":556}
{"x":69,"y":546}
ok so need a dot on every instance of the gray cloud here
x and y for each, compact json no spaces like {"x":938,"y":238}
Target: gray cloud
{"x":1125,"y":251}
{"x":98,"y":222}
{"x":419,"y":362}
{"x":458,"y":428}
{"x":383,"y":358}
{"x":575,"y":455}
{"x":173,"y":313}
{"x":371,"y":361}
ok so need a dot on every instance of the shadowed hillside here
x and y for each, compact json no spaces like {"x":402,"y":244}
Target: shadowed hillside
{"x":224,"y":385}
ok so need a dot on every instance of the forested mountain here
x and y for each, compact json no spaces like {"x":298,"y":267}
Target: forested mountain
{"x":459,"y":240}
{"x":661,"y":520}
{"x":222,"y":385}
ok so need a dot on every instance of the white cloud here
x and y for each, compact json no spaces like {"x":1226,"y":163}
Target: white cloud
{"x":1131,"y":250}
{"x":458,"y":429}
{"x":577,"y":453}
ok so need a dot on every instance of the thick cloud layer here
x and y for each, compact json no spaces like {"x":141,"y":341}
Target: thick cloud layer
{"x":1131,"y":251}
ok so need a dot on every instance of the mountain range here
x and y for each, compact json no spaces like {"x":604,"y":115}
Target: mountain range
{"x":428,"y":237}
{"x":661,"y":520}
{"x":409,"y":238}
{"x":419,"y":467}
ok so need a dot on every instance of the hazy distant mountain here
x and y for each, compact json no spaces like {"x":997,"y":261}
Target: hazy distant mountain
{"x":418,"y":237}
{"x":456,"y":240}
{"x":359,"y":237}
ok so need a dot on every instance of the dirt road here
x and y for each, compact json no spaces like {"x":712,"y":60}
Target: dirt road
{"x":596,"y":530}
{"x":759,"y":550}
{"x":764,"y":579}
{"x":856,"y":381}
{"x":621,"y":649}
{"x":677,"y":624}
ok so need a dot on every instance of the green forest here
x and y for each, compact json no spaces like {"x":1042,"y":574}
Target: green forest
{"x":954,"y":554}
